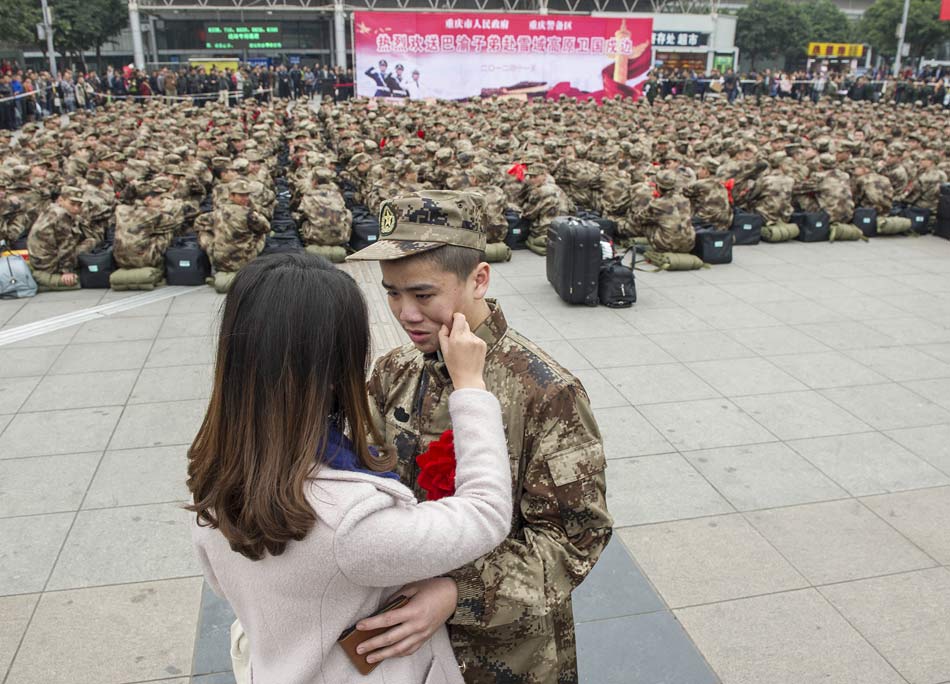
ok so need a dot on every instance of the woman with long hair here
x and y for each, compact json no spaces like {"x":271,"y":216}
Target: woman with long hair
{"x":298,"y":525}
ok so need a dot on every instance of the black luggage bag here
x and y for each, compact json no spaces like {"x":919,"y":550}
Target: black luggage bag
{"x":283,"y":224}
{"x":518,"y":230}
{"x":573,"y":259}
{"x":714,"y":246}
{"x":282,"y":242}
{"x":812,"y":226}
{"x":186,"y":263}
{"x":942,"y":227}
{"x":865,"y":218}
{"x":607,"y":226}
{"x":617,"y":286}
{"x":365,"y":230}
{"x":919,"y":219}
{"x":746,"y":227}
{"x":96,"y":266}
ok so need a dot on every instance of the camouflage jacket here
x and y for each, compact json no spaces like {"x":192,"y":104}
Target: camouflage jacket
{"x":924,"y":190}
{"x":710,"y":202}
{"x":771,"y":198}
{"x":898,"y":176}
{"x":142,"y":235}
{"x":669,"y":223}
{"x":56,"y":241}
{"x":325,"y":218}
{"x":496,"y":225}
{"x":875,"y":191}
{"x":514,"y":620}
{"x":231,"y":235}
{"x":834,"y":196}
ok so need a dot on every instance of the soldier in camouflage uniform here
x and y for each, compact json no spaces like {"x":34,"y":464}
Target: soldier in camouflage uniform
{"x":924,"y":190}
{"x":57,"y":239}
{"x":323,"y":216}
{"x":709,"y":197}
{"x":542,"y":201}
{"x":511,"y":617}
{"x":233,"y":234}
{"x":668,"y":218}
{"x":144,"y":231}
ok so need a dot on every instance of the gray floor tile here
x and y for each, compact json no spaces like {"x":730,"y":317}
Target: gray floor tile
{"x":159,"y":308}
{"x":794,"y":415}
{"x":614,"y":588}
{"x":131,"y":544}
{"x":789,"y":638}
{"x":763,"y":476}
{"x":576,"y":323}
{"x":57,"y":338}
{"x":866,"y":306}
{"x":172,"y":384}
{"x":708,"y":560}
{"x":837,"y":541}
{"x":800,"y":311}
{"x":627,"y":433}
{"x":147,"y":425}
{"x":15,"y":612}
{"x":45,"y":484}
{"x":602,"y":394}
{"x":139,"y":476}
{"x":109,"y":330}
{"x":920,"y":516}
{"x":931,"y":443}
{"x":905,"y":619}
{"x":705,"y":424}
{"x":26,"y":361}
{"x":189,"y":325}
{"x":888,"y":407}
{"x":14,"y":391}
{"x":827,"y":369}
{"x":737,"y":315}
{"x":4,"y":421}
{"x":39,"y":310}
{"x":937,"y":390}
{"x":659,"y":384}
{"x":82,"y":390}
{"x":736,"y":377}
{"x":212,"y":649}
{"x":940,"y":351}
{"x":59,"y":432}
{"x":126,"y":633}
{"x":901,"y":363}
{"x":28,"y":548}
{"x":847,"y":335}
{"x":869,"y":463}
{"x":670,"y":320}
{"x":776,"y":340}
{"x":700,"y":345}
{"x":207,"y":302}
{"x":657,"y":488}
{"x":640,"y":649}
{"x":88,"y":358}
{"x":912,"y":330}
{"x":759,"y":292}
{"x":182,"y":351}
{"x":610,"y":352}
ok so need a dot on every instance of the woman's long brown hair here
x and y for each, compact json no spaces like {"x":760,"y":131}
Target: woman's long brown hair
{"x":292,"y":360}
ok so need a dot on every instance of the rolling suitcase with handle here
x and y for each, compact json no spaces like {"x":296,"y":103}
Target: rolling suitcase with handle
{"x":573,"y":259}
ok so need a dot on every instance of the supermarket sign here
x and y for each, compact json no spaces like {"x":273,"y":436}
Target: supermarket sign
{"x":835,"y":50}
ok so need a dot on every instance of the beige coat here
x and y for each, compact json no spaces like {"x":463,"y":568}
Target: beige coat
{"x":371,"y":538}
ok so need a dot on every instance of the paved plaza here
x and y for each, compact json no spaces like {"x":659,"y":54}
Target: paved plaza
{"x":778,"y":436}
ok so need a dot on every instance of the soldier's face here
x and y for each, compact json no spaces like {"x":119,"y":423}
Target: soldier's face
{"x":423,"y":297}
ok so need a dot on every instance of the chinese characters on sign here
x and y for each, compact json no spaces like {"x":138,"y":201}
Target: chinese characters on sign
{"x":835,"y":50}
{"x":402,"y":43}
{"x":251,"y":37}
{"x":680,"y":38}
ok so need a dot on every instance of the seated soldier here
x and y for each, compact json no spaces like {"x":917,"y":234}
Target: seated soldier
{"x":542,"y":201}
{"x":233,"y":233}
{"x":709,"y":197}
{"x":144,"y":231}
{"x":57,"y":239}
{"x":324,"y":218}
{"x":668,"y":217}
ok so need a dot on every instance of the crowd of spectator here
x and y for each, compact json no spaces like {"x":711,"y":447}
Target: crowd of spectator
{"x":28,"y":95}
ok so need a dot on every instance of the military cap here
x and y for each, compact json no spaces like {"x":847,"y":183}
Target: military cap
{"x":424,"y":221}
{"x":666,"y":179}
{"x":239,"y":164}
{"x":150,"y":189}
{"x":443,"y":153}
{"x":96,"y":176}
{"x":863,"y":162}
{"x":360,"y":158}
{"x":432,"y":147}
{"x":73,"y":193}
{"x":239,"y":187}
{"x":710,"y":164}
{"x":220,"y":162}
{"x":827,"y":160}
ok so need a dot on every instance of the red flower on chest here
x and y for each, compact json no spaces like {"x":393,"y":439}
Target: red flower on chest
{"x":437,"y":468}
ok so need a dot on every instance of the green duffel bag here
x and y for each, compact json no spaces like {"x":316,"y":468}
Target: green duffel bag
{"x":222,"y":281}
{"x":538,"y":245}
{"x":147,"y":278}
{"x":842,"y":232}
{"x":779,"y":232}
{"x":334,"y":253}
{"x":497,"y":251}
{"x":674,"y":261}
{"x":893,"y":225}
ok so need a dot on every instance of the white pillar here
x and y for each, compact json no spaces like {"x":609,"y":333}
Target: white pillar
{"x":138,"y":52}
{"x":901,"y":34}
{"x":48,"y":30}
{"x":339,"y":33}
{"x":152,"y":38}
{"x":543,"y":7}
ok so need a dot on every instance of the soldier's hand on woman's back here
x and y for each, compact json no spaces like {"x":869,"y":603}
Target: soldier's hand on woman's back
{"x":464,"y":354}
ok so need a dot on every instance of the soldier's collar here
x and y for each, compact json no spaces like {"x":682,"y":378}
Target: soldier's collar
{"x":491,"y":330}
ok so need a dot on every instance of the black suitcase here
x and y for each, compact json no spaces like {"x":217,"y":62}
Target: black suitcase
{"x":282,"y":242}
{"x":812,"y":226}
{"x":365,"y":231}
{"x":96,"y":266}
{"x":714,"y":246}
{"x":573,"y":259}
{"x":919,"y":219}
{"x":607,"y":226}
{"x":942,"y":226}
{"x":186,"y":263}
{"x":746,"y":227}
{"x":518,"y":230}
{"x":865,"y":218}
{"x":945,"y":189}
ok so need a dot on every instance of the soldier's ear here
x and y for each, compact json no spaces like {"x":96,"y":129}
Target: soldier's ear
{"x":482,"y":278}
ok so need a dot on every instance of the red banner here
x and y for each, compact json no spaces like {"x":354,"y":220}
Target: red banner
{"x":467,"y":55}
{"x":945,"y":10}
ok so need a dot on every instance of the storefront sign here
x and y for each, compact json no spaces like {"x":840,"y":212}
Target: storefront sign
{"x":835,"y":50}
{"x":670,"y":39}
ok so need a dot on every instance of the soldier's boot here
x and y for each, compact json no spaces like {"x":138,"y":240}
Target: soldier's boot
{"x":52,"y":282}
{"x":496,"y":252}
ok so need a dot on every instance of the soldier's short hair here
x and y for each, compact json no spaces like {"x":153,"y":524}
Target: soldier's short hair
{"x":460,"y":261}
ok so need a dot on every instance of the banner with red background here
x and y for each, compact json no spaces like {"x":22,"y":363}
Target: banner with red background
{"x":470,"y":55}
{"x":945,"y":10}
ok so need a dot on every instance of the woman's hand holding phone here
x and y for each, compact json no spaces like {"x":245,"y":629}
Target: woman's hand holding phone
{"x":464,"y":354}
